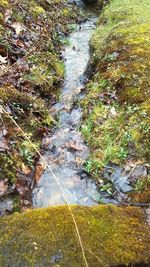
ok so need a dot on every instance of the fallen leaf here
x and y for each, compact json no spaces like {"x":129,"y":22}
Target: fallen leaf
{"x":18,"y":43}
{"x":8,"y":110}
{"x":127,"y":167}
{"x":3,"y":141}
{"x":3,"y":187}
{"x":74,"y":145}
{"x":79,"y":161}
{"x":3,"y":68}
{"x":113,"y":112}
{"x":25,"y":169}
{"x":3,"y":60}
{"x":8,"y":14}
{"x":46,"y":141}
{"x":1,"y":109}
{"x":38,"y":172}
{"x":42,"y":131}
{"x":22,"y":188}
{"x":18,"y":27}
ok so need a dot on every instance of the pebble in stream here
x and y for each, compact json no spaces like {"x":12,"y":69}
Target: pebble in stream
{"x":67,"y":151}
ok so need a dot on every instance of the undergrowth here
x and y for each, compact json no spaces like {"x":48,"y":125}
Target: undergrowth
{"x":117,"y":107}
{"x":31,"y":74}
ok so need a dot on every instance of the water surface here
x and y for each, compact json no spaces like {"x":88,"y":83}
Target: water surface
{"x":67,"y":151}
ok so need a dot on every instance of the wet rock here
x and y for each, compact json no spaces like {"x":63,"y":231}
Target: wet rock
{"x":78,"y":2}
{"x":114,"y":173}
{"x":123,"y":178}
{"x":6,"y":206}
{"x":84,"y":79}
{"x":75,"y":146}
{"x":138,"y":172}
{"x":83,"y":174}
{"x":57,"y":257}
{"x":71,"y":119}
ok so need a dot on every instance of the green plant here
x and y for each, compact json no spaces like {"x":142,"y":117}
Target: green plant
{"x":72,"y":27}
{"x":142,"y":184}
{"x":27,"y":151}
{"x":122,"y":153}
{"x":88,"y":166}
{"x":107,"y":188}
{"x":86,"y":130}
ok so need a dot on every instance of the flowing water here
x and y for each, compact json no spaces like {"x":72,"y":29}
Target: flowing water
{"x":67,"y":151}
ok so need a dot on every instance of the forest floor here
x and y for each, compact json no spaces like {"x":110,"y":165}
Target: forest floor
{"x":32,"y":34}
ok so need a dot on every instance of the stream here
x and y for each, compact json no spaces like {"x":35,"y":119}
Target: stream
{"x":67,"y":151}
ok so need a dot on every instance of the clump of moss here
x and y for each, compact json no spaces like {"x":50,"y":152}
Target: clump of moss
{"x":46,"y":73}
{"x":110,"y":236}
{"x":4,"y":4}
{"x":117,"y":108}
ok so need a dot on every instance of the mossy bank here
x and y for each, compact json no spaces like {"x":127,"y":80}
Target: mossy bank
{"x":117,"y":108}
{"x":31,"y":72}
{"x":47,"y":237}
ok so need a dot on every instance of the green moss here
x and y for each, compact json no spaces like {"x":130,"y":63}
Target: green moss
{"x":36,"y":10}
{"x":66,"y":12}
{"x":1,"y":17}
{"x":110,"y":236}
{"x":4,"y":3}
{"x":46,"y":73}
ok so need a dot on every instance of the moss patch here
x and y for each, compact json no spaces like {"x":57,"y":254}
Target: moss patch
{"x":46,"y":237}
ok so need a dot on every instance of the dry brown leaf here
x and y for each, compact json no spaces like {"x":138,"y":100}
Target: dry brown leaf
{"x":113,"y":112}
{"x":22,"y":187}
{"x":46,"y":141}
{"x":3,"y":187}
{"x":25,"y":169}
{"x":18,"y":27}
{"x":20,"y":44}
{"x":79,"y":161}
{"x":74,"y":145}
{"x":8,"y":14}
{"x":38,"y":172}
{"x":3,"y":60}
{"x":3,"y":142}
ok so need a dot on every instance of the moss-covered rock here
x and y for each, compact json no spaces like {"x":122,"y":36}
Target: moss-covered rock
{"x":46,"y":237}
